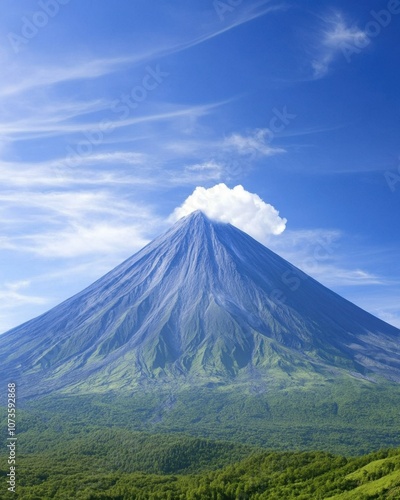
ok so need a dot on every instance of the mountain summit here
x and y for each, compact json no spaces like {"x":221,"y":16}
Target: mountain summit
{"x":202,"y":303}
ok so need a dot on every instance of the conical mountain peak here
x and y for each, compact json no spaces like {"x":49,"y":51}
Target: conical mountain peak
{"x":196,"y":222}
{"x":202,"y":302}
{"x":196,"y":216}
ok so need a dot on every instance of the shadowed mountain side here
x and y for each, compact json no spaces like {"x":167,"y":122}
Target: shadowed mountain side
{"x":202,"y":303}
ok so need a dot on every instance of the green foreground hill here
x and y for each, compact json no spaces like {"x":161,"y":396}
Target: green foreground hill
{"x":108,"y":465}
{"x":211,"y":444}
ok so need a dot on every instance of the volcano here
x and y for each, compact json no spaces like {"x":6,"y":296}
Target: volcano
{"x":202,"y":304}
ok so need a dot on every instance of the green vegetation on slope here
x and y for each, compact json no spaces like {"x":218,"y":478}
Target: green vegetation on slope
{"x":211,"y":443}
{"x":120,"y":450}
{"x":262,"y":475}
{"x":348,"y":419}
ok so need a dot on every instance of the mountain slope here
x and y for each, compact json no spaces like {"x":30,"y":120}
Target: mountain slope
{"x":203,"y":303}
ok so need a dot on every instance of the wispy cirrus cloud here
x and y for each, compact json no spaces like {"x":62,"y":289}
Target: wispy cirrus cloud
{"x":243,"y":14}
{"x":35,"y":127}
{"x":333,"y":276}
{"x":57,"y":173}
{"x":73,"y":223}
{"x":15,"y":297}
{"x":109,"y":170}
{"x":318,"y":253}
{"x":88,"y":239}
{"x":50,"y":75}
{"x":203,"y":172}
{"x":333,"y":37}
{"x":12,"y":295}
{"x":35,"y":109}
{"x":255,"y":143}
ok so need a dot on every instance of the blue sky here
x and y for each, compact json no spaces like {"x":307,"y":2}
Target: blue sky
{"x":113,"y":113}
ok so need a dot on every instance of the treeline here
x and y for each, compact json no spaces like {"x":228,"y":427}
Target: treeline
{"x":263,"y":475}
{"x":126,"y":451}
